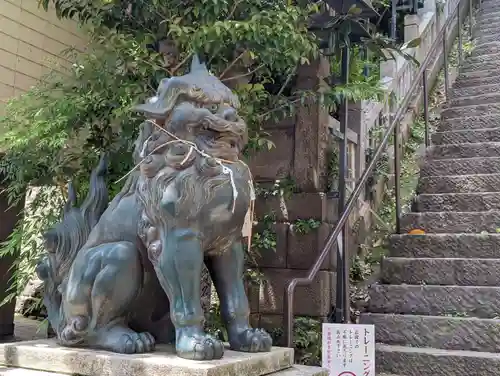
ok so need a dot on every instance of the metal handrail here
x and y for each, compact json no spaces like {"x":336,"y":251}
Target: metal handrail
{"x":393,"y":129}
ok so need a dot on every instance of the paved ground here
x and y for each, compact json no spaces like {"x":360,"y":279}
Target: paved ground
{"x":26,"y":329}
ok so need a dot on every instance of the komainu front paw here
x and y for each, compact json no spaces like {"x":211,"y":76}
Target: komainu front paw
{"x":137,"y":343}
{"x":196,"y":345}
{"x":75,"y":331}
{"x":123,"y":340}
{"x":251,"y":340}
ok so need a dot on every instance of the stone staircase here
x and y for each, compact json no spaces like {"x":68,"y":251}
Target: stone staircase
{"x":437,"y":307}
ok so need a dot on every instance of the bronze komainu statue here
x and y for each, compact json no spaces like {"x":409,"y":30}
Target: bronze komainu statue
{"x":126,"y":276}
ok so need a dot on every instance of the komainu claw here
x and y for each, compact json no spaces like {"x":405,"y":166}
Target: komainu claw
{"x":251,"y":340}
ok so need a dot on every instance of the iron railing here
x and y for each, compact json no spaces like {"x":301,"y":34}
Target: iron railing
{"x":338,"y":235}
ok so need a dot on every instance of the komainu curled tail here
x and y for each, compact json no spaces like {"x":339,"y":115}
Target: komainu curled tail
{"x":66,"y":238}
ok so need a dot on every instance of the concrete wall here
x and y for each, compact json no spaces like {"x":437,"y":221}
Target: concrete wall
{"x":31,"y":41}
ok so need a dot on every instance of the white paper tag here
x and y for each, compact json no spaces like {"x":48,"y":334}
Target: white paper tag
{"x":226,"y":170}
{"x":252,"y":191}
{"x":246,"y":230}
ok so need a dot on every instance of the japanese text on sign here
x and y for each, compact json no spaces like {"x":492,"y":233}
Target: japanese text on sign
{"x":349,"y":350}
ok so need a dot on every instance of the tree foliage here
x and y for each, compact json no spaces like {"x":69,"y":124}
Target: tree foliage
{"x":56,"y":131}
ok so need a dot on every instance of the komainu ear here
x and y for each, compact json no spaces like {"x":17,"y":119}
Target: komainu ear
{"x":197,"y":65}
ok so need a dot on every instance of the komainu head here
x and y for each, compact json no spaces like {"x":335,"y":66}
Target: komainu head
{"x":198,"y":107}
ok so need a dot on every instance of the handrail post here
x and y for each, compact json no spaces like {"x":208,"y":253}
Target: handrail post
{"x":471,"y":19}
{"x":397,"y":174}
{"x":426,"y":108}
{"x":460,"y":47}
{"x":342,"y":258}
{"x":287,"y":323}
{"x":345,"y":275}
{"x":445,"y":63}
{"x":393,"y":19}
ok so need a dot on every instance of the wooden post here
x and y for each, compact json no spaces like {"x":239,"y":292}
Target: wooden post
{"x":9,"y":218}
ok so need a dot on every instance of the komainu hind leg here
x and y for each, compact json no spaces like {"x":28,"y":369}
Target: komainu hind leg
{"x":227,"y":273}
{"x":102,"y":284}
{"x":179,"y":272}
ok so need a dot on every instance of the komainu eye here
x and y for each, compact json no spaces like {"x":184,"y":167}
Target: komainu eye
{"x":213,"y":107}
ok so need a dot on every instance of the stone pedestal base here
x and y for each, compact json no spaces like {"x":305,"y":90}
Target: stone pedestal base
{"x":4,"y":371}
{"x":46,"y":355}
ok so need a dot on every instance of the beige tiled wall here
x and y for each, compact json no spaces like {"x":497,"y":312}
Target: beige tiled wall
{"x":31,"y":41}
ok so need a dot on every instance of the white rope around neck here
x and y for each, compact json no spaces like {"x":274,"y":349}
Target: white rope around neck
{"x":225,"y":170}
{"x":248,"y":224}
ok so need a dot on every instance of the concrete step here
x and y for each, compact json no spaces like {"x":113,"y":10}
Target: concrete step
{"x":485,"y":59}
{"x":483,"y":5}
{"x":483,"y":25}
{"x":473,"y":110}
{"x":459,"y":184}
{"x":471,"y":65}
{"x":474,"y":100}
{"x":484,"y":46}
{"x":475,"y":91}
{"x":452,"y":222}
{"x":300,"y":370}
{"x":413,"y":361}
{"x":480,"y":25}
{"x":466,"y":136}
{"x":487,"y":38}
{"x":465,"y":81}
{"x":445,"y":245}
{"x":485,"y":21}
{"x":458,"y":202}
{"x":430,"y":300}
{"x":486,"y":149}
{"x":488,"y":8}
{"x":488,"y":3}
{"x":490,"y":28}
{"x":477,"y":74}
{"x":440,"y":332}
{"x":477,"y":58}
{"x":467,"y":123}
{"x":487,"y":15}
{"x":485,"y":49}
{"x":486,"y":28}
{"x":461,"y":166}
{"x":441,"y":271}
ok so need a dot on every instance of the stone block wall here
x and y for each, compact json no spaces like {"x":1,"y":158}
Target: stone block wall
{"x":301,"y":156}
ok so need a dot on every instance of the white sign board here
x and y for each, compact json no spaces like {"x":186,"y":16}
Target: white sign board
{"x":349,"y":349}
